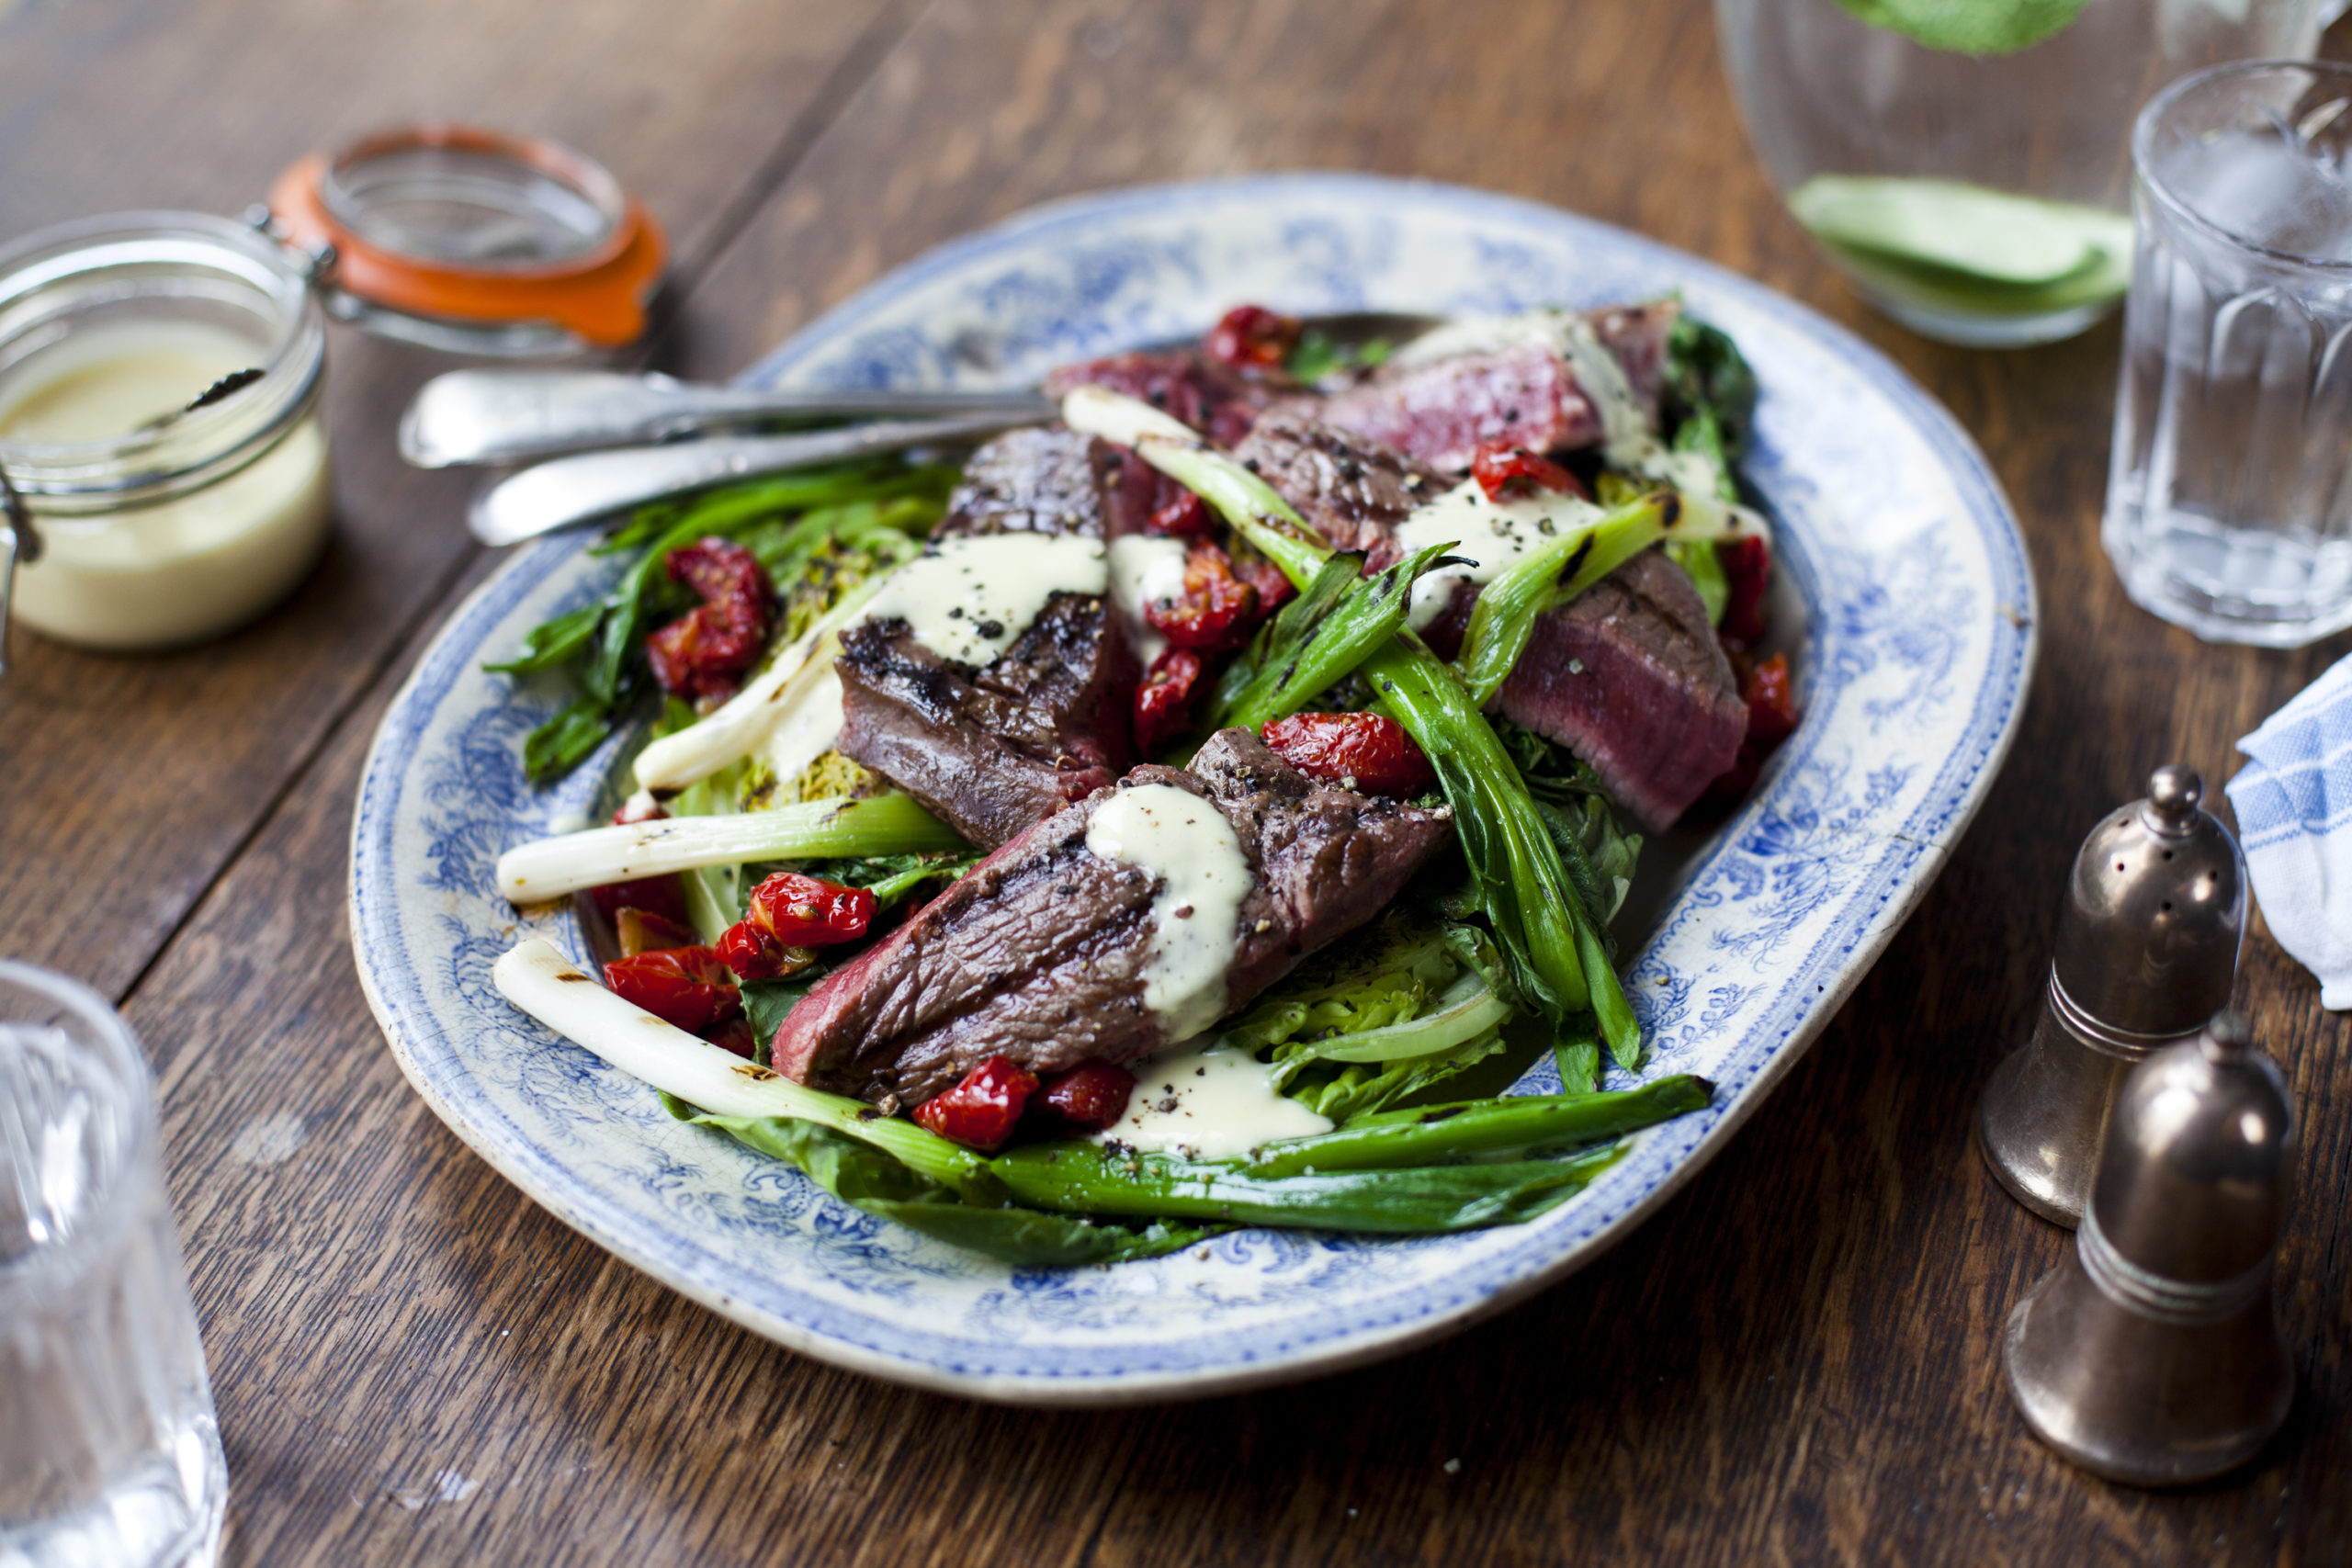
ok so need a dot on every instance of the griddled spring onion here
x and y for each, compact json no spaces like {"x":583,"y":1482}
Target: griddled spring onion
{"x":1437,"y":1132}
{"x":816,"y":829}
{"x":536,"y":977}
{"x":1318,"y":639}
{"x":1417,"y":1200}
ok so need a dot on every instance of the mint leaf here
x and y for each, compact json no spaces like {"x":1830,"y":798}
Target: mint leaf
{"x":1970,"y":27}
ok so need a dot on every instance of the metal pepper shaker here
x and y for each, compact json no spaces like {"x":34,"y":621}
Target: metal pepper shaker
{"x":2153,"y":1353}
{"x":2148,"y":944}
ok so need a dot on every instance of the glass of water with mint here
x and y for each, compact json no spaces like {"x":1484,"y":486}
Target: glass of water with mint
{"x":1965,"y":163}
{"x":2229,"y":500}
{"x":109,"y":1457}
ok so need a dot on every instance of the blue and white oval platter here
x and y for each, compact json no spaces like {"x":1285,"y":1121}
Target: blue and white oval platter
{"x":1913,"y":613}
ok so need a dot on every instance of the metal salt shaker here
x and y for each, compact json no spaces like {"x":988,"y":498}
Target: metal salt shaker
{"x":2148,"y":945}
{"x":2152,"y":1356}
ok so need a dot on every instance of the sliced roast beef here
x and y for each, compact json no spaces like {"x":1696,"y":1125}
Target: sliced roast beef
{"x":1628,"y":676}
{"x":1027,"y":481}
{"x":992,"y":750}
{"x":1039,"y":953}
{"x":1352,"y":490}
{"x":1441,"y":411}
{"x":1184,"y":383}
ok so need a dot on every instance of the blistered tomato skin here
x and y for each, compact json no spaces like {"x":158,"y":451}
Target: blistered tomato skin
{"x":703,"y":652}
{"x":1747,"y":570}
{"x":1090,"y":1096}
{"x":662,"y":896}
{"x":981,"y":1112}
{"x":804,"y":911}
{"x":1355,"y":750}
{"x":1218,"y":610}
{"x":1504,"y":471}
{"x":1770,"y":691}
{"x":684,"y":985}
{"x":1254,"y":338}
{"x":1274,"y":590}
{"x":1165,"y":701}
{"x":1184,"y":515}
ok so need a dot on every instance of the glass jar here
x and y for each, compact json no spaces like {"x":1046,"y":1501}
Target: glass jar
{"x":1977,"y":197}
{"x":161,"y":523}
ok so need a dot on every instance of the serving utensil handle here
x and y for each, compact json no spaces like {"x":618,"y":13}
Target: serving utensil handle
{"x":565,"y":492}
{"x":509,"y":416}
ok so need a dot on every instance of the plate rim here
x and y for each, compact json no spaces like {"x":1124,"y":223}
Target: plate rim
{"x":1959,"y":457}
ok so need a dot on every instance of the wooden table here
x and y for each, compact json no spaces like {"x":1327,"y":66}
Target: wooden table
{"x":1794,"y":1360}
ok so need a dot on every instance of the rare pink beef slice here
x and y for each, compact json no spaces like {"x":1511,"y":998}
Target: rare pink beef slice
{"x":1037,"y":953}
{"x":1442,"y":411}
{"x":1628,"y":676}
{"x":1184,"y":383}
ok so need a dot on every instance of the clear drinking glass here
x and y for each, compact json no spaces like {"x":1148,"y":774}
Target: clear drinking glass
{"x":1972,"y":190}
{"x":2228,"y":497}
{"x":108,"y":1452}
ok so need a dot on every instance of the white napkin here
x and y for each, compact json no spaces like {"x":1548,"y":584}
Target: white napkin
{"x":2294,"y":809}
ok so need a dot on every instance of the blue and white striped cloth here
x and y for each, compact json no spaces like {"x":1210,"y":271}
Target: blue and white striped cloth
{"x":2294,"y":809}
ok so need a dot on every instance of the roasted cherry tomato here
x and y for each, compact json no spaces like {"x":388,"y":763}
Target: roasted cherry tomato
{"x":753,"y":954}
{"x":736,"y":1035}
{"x":685,"y":986}
{"x":1770,"y":692}
{"x":1355,"y":750}
{"x":1218,"y":610}
{"x":1504,"y":471}
{"x":642,"y":930}
{"x":789,"y":915}
{"x":703,"y":652}
{"x":1747,"y":569}
{"x":1183,"y":515}
{"x":1254,"y":338}
{"x":662,"y":896}
{"x":1090,"y":1096}
{"x":1274,"y":590}
{"x":1165,"y":701}
{"x":982,"y":1111}
{"x":802,"y":911}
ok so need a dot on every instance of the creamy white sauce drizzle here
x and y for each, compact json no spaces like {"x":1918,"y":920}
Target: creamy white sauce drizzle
{"x":967,"y":599}
{"x":813,"y":728}
{"x":1206,"y":1101}
{"x":1489,"y":535}
{"x":1144,"y":569}
{"x":1186,"y":843}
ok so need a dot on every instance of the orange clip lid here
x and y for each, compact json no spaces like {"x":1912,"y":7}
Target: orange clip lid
{"x":455,"y":223}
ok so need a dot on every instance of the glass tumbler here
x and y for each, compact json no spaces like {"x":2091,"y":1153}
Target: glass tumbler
{"x":2228,"y":498}
{"x":108,"y":1452}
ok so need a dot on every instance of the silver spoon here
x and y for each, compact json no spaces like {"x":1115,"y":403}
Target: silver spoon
{"x":565,"y":492}
{"x":508,"y":416}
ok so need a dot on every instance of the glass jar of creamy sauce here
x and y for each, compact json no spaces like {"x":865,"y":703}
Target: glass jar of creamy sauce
{"x":161,"y":523}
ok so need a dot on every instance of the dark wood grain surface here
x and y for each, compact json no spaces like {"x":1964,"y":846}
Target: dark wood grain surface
{"x":1794,"y":1361}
